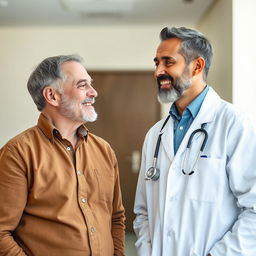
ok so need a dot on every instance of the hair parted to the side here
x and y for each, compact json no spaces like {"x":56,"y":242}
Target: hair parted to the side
{"x":48,"y":73}
{"x":193,"y":45}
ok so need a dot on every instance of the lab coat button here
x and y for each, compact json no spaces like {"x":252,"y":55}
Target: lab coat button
{"x":172,"y":198}
{"x":169,"y":233}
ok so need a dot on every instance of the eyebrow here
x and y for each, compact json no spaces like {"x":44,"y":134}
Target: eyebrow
{"x":84,"y":80}
{"x":164,"y":58}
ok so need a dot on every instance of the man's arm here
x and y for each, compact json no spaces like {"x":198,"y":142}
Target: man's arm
{"x":241,"y":170}
{"x":118,"y":218}
{"x":13,"y":197}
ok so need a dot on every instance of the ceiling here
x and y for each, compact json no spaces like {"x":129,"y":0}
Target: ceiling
{"x":102,"y":12}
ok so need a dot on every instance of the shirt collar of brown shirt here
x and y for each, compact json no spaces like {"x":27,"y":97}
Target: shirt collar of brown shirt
{"x":50,"y":131}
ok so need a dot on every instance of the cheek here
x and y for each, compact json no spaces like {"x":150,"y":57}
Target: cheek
{"x":155,"y":74}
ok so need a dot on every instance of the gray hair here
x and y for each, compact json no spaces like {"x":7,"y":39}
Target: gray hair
{"x":194,"y":44}
{"x":48,"y":73}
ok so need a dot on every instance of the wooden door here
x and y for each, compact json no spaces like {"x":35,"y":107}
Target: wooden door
{"x":127,"y":107}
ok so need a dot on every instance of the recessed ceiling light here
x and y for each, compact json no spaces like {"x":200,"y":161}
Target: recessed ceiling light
{"x":3,"y":3}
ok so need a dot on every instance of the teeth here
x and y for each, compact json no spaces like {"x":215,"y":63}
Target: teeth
{"x":164,"y":82}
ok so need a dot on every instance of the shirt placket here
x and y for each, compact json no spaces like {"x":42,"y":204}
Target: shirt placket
{"x":85,"y":208}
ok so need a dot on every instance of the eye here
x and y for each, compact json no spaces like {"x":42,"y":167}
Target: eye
{"x":156,"y":63}
{"x":169,"y":62}
{"x":81,"y":85}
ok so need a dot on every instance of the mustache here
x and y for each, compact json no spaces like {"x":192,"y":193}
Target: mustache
{"x":175,"y":86}
{"x":89,"y":100}
{"x":164,"y":77}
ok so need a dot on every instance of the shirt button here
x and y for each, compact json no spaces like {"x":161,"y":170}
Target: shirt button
{"x":84,"y":200}
{"x":78,"y":172}
{"x":93,"y":229}
{"x":68,"y":148}
{"x":181,"y":128}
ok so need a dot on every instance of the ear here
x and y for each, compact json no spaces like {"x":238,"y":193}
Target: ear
{"x":198,"y":66}
{"x":51,"y":96}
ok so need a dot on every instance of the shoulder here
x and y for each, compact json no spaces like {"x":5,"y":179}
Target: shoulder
{"x":21,"y":140}
{"x":155,"y":129}
{"x":19,"y":150}
{"x":234,"y":116}
{"x":97,"y":143}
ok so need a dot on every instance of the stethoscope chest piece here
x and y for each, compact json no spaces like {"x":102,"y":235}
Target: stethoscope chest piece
{"x":152,"y":173}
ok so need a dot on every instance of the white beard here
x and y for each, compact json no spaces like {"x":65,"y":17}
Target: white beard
{"x":70,"y":107}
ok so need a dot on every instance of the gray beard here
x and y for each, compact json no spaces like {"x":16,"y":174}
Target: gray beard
{"x":170,"y":96}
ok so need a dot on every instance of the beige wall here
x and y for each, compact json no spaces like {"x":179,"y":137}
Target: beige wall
{"x":244,"y":55}
{"x":106,"y":48}
{"x":217,"y":26}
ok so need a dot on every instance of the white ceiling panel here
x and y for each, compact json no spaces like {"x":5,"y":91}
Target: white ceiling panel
{"x":101,"y":12}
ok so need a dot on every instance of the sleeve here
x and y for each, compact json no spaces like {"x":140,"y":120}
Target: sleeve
{"x":241,"y":169}
{"x":118,"y":216}
{"x":13,"y":197}
{"x":141,"y":222}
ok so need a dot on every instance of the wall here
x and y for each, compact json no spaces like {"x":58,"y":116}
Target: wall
{"x":217,"y":26}
{"x":104,"y":48}
{"x":244,"y":55}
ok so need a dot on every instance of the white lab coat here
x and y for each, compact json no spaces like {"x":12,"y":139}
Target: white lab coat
{"x":213,"y":210}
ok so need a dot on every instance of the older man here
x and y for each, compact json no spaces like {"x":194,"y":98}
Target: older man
{"x":59,"y":184}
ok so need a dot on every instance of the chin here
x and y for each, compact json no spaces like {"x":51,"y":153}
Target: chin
{"x":167,"y":96}
{"x":90,"y":117}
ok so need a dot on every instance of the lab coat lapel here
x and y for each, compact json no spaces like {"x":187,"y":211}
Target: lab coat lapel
{"x":167,"y":139}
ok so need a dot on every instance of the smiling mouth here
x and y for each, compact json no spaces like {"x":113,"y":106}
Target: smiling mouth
{"x":165,"y":84}
{"x":87,"y":104}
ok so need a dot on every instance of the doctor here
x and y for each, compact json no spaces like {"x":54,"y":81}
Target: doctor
{"x":200,"y":196}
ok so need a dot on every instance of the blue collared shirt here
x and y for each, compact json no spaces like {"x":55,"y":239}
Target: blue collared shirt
{"x":182,"y":123}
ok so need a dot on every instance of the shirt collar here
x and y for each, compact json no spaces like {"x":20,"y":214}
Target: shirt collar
{"x":51,"y":132}
{"x":193,"y":107}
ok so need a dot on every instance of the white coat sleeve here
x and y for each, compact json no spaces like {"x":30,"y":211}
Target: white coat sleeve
{"x":241,"y":170}
{"x":141,"y":222}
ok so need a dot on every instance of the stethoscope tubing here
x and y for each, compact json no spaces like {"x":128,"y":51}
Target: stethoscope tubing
{"x":154,"y":175}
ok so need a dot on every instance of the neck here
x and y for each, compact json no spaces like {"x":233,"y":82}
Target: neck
{"x":188,"y":96}
{"x":66,"y":127}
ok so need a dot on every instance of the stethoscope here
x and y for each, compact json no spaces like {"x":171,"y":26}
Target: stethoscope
{"x":153,"y":173}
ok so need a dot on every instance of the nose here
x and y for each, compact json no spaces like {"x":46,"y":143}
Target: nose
{"x":160,"y":70}
{"x":92,"y":93}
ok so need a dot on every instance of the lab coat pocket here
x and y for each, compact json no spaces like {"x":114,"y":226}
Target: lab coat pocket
{"x":205,"y":183}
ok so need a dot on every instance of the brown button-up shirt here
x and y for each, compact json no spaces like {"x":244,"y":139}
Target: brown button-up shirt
{"x":55,"y":200}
